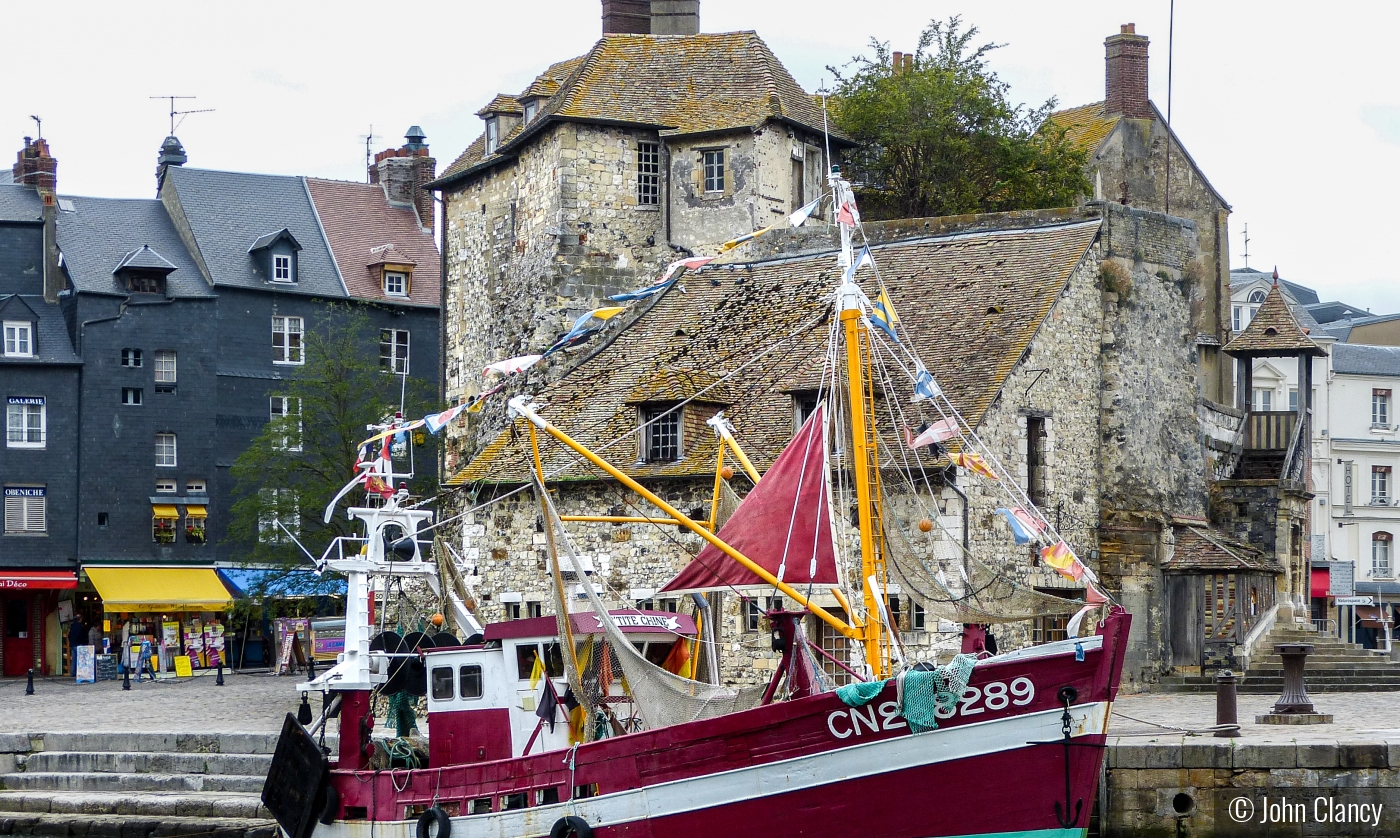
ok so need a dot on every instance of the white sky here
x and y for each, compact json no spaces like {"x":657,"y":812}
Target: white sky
{"x":1294,"y":117}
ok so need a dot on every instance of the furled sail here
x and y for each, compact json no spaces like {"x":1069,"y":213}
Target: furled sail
{"x":783,"y":525}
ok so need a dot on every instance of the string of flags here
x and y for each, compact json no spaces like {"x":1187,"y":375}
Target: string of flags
{"x":795,"y":219}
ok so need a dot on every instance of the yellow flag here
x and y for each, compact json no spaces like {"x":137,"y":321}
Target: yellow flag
{"x":537,"y":672}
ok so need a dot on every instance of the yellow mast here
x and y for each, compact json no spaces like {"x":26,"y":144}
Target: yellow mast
{"x":865,"y":460}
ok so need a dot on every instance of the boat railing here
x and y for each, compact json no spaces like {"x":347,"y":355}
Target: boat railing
{"x":350,"y":547}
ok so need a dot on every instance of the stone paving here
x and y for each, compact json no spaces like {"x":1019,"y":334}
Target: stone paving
{"x":1373,"y":717}
{"x":258,"y":703}
{"x":246,"y":704}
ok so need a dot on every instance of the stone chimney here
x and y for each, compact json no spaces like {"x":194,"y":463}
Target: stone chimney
{"x":1125,"y":88}
{"x":403,"y":172}
{"x":35,"y":167}
{"x":171,"y":154}
{"x":651,"y":17}
{"x":675,"y":17}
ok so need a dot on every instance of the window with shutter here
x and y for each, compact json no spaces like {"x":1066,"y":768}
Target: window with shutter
{"x":24,"y":510}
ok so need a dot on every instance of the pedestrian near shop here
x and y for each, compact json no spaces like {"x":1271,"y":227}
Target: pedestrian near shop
{"x":77,"y":636}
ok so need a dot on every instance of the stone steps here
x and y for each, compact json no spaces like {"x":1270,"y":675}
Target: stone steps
{"x":147,"y":763}
{"x":155,"y":804}
{"x":108,"y":781}
{"x":126,"y":826}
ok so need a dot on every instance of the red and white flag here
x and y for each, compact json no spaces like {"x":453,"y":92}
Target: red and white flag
{"x":937,"y":432}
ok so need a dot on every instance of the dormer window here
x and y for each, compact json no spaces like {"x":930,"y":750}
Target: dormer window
{"x":493,"y":134}
{"x":532,"y":108}
{"x":19,"y":338}
{"x":143,"y":271}
{"x":275,"y":256}
{"x":395,"y":284}
{"x":392,"y":271}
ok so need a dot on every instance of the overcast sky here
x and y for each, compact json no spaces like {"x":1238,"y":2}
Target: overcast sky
{"x":1293,"y":116}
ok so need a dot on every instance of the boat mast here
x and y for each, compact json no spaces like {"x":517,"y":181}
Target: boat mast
{"x":865,"y":456}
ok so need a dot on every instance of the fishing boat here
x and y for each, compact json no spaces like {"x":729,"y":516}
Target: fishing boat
{"x":590,"y":722}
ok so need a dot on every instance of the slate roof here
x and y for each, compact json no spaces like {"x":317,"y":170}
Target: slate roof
{"x":728,"y":313}
{"x":1198,"y":548}
{"x":19,"y":203}
{"x":52,"y":343}
{"x":228,"y":211}
{"x":100,"y":232}
{"x":687,"y":84}
{"x":1274,"y":329}
{"x":1335,"y":310}
{"x":358,"y":217}
{"x":1300,"y":293}
{"x":1359,"y":359}
{"x":144,"y":257}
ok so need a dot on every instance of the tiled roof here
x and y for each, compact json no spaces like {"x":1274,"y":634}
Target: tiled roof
{"x":1358,"y":359}
{"x":502,"y":104}
{"x":358,"y":217}
{"x":1086,"y":126}
{"x":1198,"y":548}
{"x":52,"y":344}
{"x":728,"y":314}
{"x":228,"y":211}
{"x":678,"y":84}
{"x":1273,"y":329}
{"x":144,"y":257}
{"x":19,"y":203}
{"x":102,"y":232}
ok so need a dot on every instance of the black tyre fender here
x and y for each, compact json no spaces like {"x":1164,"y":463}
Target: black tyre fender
{"x":572,"y":825}
{"x":434,"y":815}
{"x":331,"y":810}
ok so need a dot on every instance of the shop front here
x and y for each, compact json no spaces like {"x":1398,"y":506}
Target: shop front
{"x":28,"y":619}
{"x":173,"y":612}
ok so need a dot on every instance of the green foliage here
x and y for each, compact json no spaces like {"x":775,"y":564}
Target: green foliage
{"x":298,"y":463}
{"x":941,"y":137}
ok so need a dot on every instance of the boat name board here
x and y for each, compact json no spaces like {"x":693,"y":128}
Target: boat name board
{"x":994,"y":696}
{"x":627,"y":621}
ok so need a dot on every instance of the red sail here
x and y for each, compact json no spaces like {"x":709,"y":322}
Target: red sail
{"x":783,"y":526}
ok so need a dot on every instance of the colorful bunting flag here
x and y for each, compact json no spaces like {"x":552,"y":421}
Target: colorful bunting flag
{"x":862,"y":259}
{"x":847,"y":213}
{"x":925,"y":388}
{"x":798,"y":218}
{"x":585,"y":327}
{"x":437,"y":421}
{"x":1018,"y":529}
{"x":974,"y":463}
{"x":937,"y":432}
{"x":511,"y":366}
{"x":1059,"y":556}
{"x":883,"y":315}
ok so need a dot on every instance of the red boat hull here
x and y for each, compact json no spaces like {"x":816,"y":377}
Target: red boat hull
{"x":812,"y":766}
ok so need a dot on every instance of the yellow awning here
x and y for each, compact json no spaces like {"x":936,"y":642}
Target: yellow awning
{"x":160,"y":510}
{"x":196,"y":512}
{"x":159,"y":588}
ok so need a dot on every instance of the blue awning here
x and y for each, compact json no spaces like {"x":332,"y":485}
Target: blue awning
{"x":243,"y":582}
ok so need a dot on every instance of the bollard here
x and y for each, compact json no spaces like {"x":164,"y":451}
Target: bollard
{"x":219,"y":675}
{"x":311,"y":668}
{"x":1295,"y":694}
{"x":126,"y":677}
{"x":1226,"y":696}
{"x":29,"y":688}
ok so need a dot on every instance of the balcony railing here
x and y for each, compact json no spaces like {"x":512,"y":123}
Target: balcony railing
{"x":1269,"y":430}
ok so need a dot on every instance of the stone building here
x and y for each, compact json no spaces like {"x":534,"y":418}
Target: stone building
{"x":1137,"y":160}
{"x":1063,"y":336}
{"x":610,"y":165}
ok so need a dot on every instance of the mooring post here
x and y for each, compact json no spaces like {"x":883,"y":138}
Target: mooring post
{"x":1295,"y":693}
{"x":1226,"y":698}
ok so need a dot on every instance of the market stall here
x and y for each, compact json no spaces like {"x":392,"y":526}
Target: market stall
{"x":176,"y":611}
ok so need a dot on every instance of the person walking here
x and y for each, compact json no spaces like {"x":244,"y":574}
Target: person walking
{"x":77,"y":636}
{"x":95,"y":636}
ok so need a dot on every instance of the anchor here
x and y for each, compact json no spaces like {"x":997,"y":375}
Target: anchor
{"x":1067,"y":695}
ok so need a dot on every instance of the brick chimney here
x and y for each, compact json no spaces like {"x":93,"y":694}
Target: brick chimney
{"x":35,"y":167}
{"x":1125,"y":88}
{"x":403,"y":172}
{"x":651,"y":17}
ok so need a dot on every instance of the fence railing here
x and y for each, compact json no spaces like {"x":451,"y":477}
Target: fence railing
{"x":1269,"y":430}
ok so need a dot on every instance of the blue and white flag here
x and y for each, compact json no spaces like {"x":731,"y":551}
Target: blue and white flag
{"x":925,"y":388}
{"x":649,"y":291}
{"x":863,"y":258}
{"x":1018,"y":529}
{"x":798,"y":218}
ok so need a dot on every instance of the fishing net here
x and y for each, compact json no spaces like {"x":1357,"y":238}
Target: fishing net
{"x":923,"y":694}
{"x":658,"y":698}
{"x":958,"y":587}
